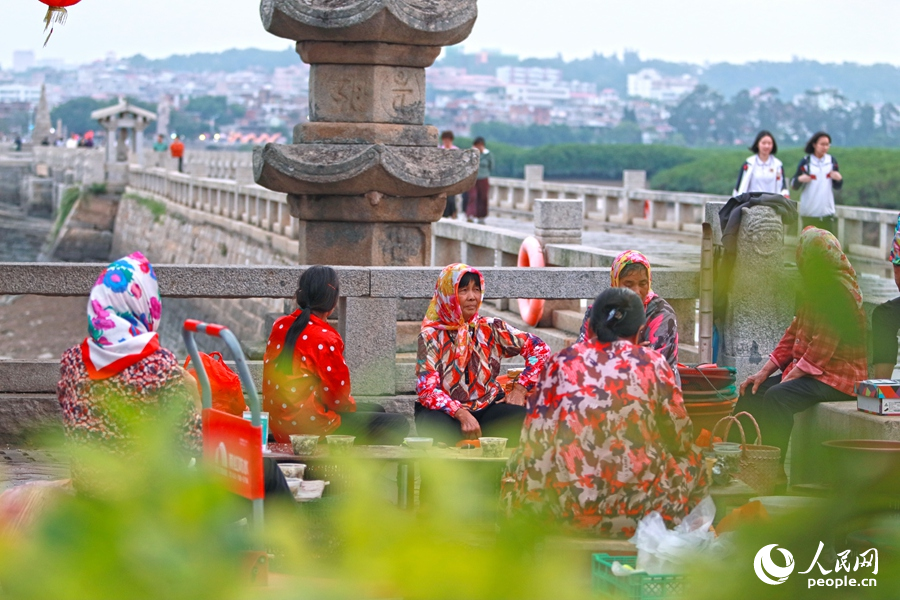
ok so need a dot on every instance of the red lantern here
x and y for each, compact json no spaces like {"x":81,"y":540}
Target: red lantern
{"x":56,"y":14}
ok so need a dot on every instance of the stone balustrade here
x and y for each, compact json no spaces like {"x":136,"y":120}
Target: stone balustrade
{"x":247,"y":203}
{"x":366,"y":316}
{"x":70,"y":165}
{"x":866,"y":233}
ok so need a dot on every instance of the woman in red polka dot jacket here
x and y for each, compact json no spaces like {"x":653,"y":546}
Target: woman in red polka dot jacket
{"x":307,"y":390}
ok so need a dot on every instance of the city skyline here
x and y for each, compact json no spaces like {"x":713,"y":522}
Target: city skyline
{"x":702,"y":32}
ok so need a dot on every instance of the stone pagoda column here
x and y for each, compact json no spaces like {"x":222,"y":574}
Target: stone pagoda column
{"x":365,"y":176}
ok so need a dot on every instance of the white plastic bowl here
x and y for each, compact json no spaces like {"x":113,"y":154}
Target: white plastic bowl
{"x":780,"y":506}
{"x":419,"y":443}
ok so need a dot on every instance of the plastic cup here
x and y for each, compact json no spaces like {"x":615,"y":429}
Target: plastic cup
{"x":340,"y":444}
{"x":492,"y":447}
{"x":292,"y":470}
{"x":304,"y":445}
{"x":263,"y":422}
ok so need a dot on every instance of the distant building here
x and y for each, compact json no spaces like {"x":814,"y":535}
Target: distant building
{"x":16,"y":92}
{"x":23,"y":60}
{"x":529,"y":75}
{"x":649,"y":84}
{"x":537,"y":95}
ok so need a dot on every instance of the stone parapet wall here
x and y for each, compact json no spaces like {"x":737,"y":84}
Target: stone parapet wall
{"x":170,"y":233}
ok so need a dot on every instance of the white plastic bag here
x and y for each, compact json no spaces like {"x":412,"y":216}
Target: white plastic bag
{"x":663,"y":551}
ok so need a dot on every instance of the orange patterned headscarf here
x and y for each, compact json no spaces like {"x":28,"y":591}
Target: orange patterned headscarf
{"x":631,"y":257}
{"x":445,"y":312}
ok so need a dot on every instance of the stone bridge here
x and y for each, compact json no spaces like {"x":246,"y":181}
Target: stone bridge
{"x":227,"y":251}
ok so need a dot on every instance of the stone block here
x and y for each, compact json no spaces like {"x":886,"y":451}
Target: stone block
{"x":832,"y":421}
{"x":711,"y":216}
{"x":175,"y":281}
{"x":568,"y":320}
{"x":563,"y":255}
{"x":24,"y":417}
{"x":566,"y":215}
{"x":371,"y":208}
{"x":399,"y":404}
{"x":367,"y":53}
{"x":367,"y":94}
{"x":534,"y":173}
{"x":435,"y":23}
{"x":405,"y":376}
{"x":28,"y":376}
{"x":353,"y":169}
{"x":369,"y":329}
{"x":379,"y":244}
{"x":634,"y":179}
{"x":388,"y":134}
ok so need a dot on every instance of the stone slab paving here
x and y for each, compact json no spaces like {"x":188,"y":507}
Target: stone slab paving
{"x":671,"y":249}
{"x":21,"y":465}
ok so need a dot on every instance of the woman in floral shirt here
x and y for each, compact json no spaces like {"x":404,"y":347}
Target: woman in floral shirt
{"x":459,"y":360}
{"x":607,"y":439}
{"x":120,"y":376}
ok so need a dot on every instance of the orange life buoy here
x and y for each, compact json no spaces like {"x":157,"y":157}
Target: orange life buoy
{"x":531,"y":255}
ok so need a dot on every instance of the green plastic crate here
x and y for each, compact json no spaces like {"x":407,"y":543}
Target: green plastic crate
{"x":639,"y":587}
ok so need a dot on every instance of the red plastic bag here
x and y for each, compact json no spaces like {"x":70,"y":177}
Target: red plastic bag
{"x":224,"y":383}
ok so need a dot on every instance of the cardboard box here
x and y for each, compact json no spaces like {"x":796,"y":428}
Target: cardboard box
{"x":878,"y":396}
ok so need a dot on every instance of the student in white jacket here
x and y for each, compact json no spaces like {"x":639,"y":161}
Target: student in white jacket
{"x":818,"y":176}
{"x":762,"y":172}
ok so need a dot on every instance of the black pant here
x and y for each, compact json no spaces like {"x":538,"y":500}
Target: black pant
{"x":450,"y":207}
{"x":885,"y":324}
{"x":774,"y":405}
{"x":828,"y":223}
{"x":498,"y":419}
{"x":372,"y":425}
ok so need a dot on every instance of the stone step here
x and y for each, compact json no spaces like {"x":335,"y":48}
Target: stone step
{"x":568,"y":320}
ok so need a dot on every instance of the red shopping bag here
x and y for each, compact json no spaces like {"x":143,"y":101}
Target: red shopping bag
{"x":225,"y":385}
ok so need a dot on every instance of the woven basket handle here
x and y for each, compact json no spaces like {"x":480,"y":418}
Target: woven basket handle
{"x":730,"y":419}
{"x":755,"y":424}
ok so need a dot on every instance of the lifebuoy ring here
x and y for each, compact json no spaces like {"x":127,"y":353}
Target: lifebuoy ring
{"x":531,"y":255}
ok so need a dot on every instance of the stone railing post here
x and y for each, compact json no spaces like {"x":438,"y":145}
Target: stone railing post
{"x":368,"y":327}
{"x":760,"y":305}
{"x":558,"y":221}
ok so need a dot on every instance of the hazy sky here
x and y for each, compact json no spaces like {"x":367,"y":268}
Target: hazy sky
{"x":698,"y":31}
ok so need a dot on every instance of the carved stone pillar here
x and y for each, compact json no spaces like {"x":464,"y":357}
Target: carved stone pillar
{"x":761,"y":299}
{"x":365,"y":176}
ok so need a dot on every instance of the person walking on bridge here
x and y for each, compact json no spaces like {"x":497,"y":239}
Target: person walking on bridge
{"x":177,"y":150}
{"x":477,"y":207}
{"x":762,"y":172}
{"x":818,"y":176}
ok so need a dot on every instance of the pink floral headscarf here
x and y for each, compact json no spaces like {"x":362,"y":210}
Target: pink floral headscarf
{"x":123,"y":314}
{"x":445,"y":312}
{"x":631,"y":257}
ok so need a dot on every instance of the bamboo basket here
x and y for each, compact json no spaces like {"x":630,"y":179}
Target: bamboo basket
{"x":760,"y":464}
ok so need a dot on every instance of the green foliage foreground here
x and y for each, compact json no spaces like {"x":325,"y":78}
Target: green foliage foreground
{"x":153,"y":529}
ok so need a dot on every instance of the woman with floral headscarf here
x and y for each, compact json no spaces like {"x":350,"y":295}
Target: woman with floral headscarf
{"x":120,"y":376}
{"x":121,"y":362}
{"x":823,"y":352}
{"x":459,"y":360}
{"x":631,"y":270}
